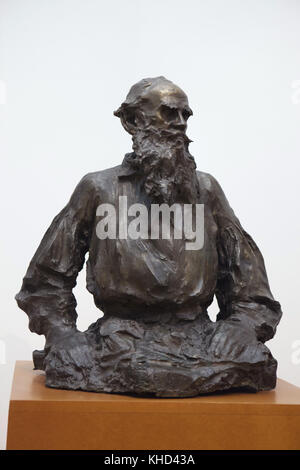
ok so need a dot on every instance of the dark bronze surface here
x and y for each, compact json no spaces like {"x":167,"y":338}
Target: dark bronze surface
{"x":155,"y":336}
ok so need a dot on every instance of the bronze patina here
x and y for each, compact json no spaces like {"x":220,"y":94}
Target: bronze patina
{"x":155,"y":336}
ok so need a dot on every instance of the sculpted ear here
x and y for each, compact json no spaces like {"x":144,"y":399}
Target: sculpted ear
{"x":127,"y":115}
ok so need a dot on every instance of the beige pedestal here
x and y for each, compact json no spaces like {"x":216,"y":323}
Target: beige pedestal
{"x":44,"y":418}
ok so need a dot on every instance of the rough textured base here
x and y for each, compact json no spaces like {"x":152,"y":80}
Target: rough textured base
{"x":45,"y":418}
{"x":164,"y":357}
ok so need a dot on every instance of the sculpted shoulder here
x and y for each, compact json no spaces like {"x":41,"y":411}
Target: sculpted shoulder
{"x":95,"y":185}
{"x":101,"y":179}
{"x":207,"y":182}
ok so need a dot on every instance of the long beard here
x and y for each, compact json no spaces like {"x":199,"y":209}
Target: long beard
{"x":166,"y":166}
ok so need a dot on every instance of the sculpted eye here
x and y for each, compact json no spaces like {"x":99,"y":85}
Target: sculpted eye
{"x":167,"y":113}
{"x":129,"y":115}
{"x":186,"y":113}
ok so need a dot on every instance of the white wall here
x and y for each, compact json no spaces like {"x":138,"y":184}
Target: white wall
{"x":68,"y":64}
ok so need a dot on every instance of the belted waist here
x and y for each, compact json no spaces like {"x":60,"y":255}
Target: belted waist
{"x":154,"y":313}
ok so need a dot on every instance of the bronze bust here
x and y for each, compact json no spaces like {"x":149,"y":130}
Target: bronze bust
{"x":155,"y":336}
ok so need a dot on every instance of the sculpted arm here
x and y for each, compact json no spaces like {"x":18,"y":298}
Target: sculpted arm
{"x":46,"y":294}
{"x":243,"y":291}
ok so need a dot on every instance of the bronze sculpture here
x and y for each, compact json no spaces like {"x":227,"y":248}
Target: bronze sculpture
{"x":155,"y":336}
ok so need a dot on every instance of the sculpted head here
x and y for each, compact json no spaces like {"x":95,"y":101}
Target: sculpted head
{"x":155,"y":103}
{"x":155,"y":113}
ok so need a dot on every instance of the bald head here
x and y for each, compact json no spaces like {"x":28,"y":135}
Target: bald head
{"x":154,"y":102}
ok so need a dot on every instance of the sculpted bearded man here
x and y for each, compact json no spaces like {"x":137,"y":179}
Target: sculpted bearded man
{"x":155,"y":336}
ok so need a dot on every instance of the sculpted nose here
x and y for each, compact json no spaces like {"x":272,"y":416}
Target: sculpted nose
{"x":180,"y":121}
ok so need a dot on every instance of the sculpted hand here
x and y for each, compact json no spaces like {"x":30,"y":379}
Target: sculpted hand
{"x":59,"y":339}
{"x":230,"y":339}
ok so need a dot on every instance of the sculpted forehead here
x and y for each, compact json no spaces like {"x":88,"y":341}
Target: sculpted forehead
{"x":156,"y":91}
{"x":166,"y":93}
